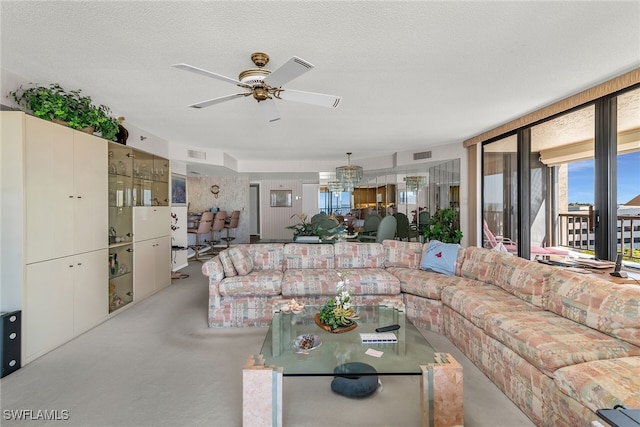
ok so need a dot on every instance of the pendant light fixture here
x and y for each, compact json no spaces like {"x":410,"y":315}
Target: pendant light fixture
{"x":349,"y":175}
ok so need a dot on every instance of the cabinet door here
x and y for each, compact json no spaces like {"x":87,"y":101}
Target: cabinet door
{"x":144,"y":269}
{"x":151,"y":222}
{"x":91,"y":292}
{"x":48,"y":305}
{"x":163,"y":262}
{"x":91,"y":214}
{"x":49,"y":192}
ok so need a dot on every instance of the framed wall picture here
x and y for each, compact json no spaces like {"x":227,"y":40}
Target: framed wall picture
{"x":178,"y":190}
{"x":281,"y":198}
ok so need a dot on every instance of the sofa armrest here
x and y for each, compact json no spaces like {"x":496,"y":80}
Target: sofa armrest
{"x":215,"y":272}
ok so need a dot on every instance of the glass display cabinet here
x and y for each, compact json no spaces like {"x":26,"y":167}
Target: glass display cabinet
{"x":120,"y":276}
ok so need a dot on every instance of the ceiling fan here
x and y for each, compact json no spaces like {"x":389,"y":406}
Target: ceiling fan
{"x":266,"y":85}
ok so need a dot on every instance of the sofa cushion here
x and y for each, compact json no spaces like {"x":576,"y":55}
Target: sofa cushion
{"x":299,"y":282}
{"x":525,"y":279}
{"x":440,"y":257}
{"x":550,"y":342}
{"x":256,"y":283}
{"x":266,"y":256}
{"x":480,"y":264}
{"x":227,"y":264}
{"x":301,"y":255}
{"x":242,"y":262}
{"x":597,"y":303}
{"x":427,"y":284}
{"x":402,"y":254}
{"x":310,"y":282}
{"x":476,"y":302}
{"x":352,"y":255}
{"x":602,"y":383}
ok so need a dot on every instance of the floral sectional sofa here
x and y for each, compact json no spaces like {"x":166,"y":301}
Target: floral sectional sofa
{"x":559,"y":344}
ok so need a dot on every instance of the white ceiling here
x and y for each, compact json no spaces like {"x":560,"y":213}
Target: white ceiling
{"x":411,"y":74}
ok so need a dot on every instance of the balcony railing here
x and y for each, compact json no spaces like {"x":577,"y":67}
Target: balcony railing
{"x":576,"y":232}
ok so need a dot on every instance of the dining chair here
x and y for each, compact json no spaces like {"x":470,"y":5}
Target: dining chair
{"x":202,"y":227}
{"x":370,"y":225}
{"x":386,"y":231}
{"x":404,"y":229}
{"x":219,"y":222}
{"x":234,"y":220}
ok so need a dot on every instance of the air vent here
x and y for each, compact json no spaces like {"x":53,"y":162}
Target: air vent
{"x":193,"y":154}
{"x":423,"y":155}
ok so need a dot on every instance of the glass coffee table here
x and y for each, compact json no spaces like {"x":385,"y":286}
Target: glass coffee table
{"x":332,"y":349}
{"x":281,"y":356}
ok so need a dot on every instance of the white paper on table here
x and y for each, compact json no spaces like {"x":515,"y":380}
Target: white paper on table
{"x":374,"y":353}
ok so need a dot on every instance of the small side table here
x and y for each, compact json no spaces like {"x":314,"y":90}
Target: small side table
{"x":177,"y":274}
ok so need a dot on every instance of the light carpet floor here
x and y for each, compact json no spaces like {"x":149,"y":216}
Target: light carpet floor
{"x":158,"y":364}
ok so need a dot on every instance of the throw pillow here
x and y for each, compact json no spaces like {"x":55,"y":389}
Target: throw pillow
{"x":440,"y":257}
{"x":350,"y":383}
{"x":241,"y":260}
{"x":227,"y":264}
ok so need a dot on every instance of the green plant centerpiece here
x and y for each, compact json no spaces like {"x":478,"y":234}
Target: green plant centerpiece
{"x":338,"y":314}
{"x":303,"y":228}
{"x":442,"y":226}
{"x":75,"y":110}
{"x":326,"y":228}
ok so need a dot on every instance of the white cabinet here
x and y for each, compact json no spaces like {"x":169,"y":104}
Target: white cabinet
{"x":63,"y":298}
{"x":48,"y":306}
{"x":151,"y":222}
{"x":90,"y":294}
{"x":151,"y":266}
{"x":151,"y":250}
{"x":65,"y":191}
{"x":61,"y":191}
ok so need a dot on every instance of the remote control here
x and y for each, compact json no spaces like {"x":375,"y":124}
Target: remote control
{"x":388,"y":328}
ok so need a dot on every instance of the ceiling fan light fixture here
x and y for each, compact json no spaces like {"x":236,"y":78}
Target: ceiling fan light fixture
{"x":260,"y":59}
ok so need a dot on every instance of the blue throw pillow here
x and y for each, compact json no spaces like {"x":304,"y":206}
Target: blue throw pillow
{"x":440,"y":257}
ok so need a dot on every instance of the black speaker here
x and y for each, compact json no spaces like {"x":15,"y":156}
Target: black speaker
{"x":10,"y":344}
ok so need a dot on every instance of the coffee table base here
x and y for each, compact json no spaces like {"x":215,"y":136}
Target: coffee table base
{"x":441,"y":393}
{"x":261,"y":394}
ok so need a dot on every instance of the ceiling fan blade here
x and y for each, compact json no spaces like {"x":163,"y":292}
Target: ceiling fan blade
{"x":321,"y":99}
{"x":206,"y":73}
{"x":293,"y":68}
{"x":214,"y":101}
{"x":269,"y":109}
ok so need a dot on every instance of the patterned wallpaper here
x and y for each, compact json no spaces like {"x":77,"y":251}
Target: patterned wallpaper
{"x":234,"y":195}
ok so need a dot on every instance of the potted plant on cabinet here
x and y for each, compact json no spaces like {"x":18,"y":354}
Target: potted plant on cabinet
{"x":442,"y":226}
{"x":71,"y":108}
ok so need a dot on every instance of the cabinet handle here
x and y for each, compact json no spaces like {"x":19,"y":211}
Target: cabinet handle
{"x":71,"y":197}
{"x":71,"y":266}
{"x":129,"y":234}
{"x":129,"y":250}
{"x":79,"y":263}
{"x":79,"y":197}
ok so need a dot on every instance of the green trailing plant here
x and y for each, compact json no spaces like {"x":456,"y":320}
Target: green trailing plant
{"x":442,"y":226}
{"x":71,"y":107}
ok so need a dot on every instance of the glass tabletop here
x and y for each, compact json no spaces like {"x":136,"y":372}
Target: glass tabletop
{"x":403,"y":357}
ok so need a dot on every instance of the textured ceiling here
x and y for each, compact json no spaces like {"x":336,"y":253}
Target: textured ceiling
{"x":411,"y":74}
